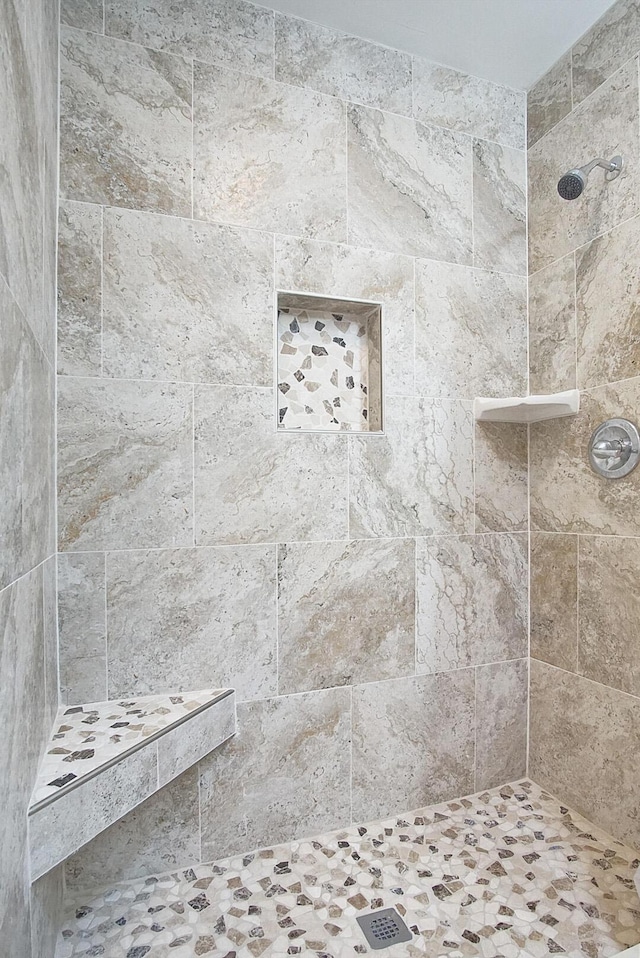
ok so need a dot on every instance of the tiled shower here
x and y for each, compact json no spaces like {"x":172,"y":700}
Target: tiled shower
{"x":411,"y":606}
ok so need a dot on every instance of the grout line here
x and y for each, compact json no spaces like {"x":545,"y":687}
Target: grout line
{"x":575,"y":313}
{"x":193,"y":127}
{"x":277,"y":615}
{"x":475,"y":729}
{"x":106,"y":629}
{"x":586,"y":678}
{"x":102,"y":376}
{"x":578,"y":605}
{"x":193,"y":465}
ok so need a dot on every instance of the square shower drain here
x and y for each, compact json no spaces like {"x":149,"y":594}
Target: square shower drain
{"x":384,"y":928}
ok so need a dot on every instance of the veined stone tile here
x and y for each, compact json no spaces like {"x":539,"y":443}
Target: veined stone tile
{"x":468,"y":104}
{"x":125,"y":125}
{"x":607,"y":293}
{"x":471,"y":332}
{"x":604,"y":124}
{"x":501,"y":463}
{"x":549,"y":99}
{"x":582,"y":735}
{"x":191,"y":742}
{"x":82,"y":627}
{"x":161,"y":833}
{"x":417,"y":479}
{"x":614,"y":39}
{"x":501,"y":722}
{"x":268,"y":155}
{"x":186,"y":301}
{"x":410,"y":186}
{"x":12,"y":332}
{"x":554,"y":597}
{"x":609,"y":604}
{"x":124,"y":464}
{"x":21,"y":238}
{"x":413,"y":742}
{"x":256,"y":484}
{"x":79,"y":290}
{"x":472,"y":601}
{"x":347,"y":271}
{"x":225,"y":32}
{"x":227,"y":638}
{"x":84,"y":14}
{"x":566,"y":494}
{"x":499,"y":207}
{"x":50,"y":627}
{"x":552,"y":328}
{"x":46,"y":911}
{"x":284,"y":775}
{"x":312,"y":56}
{"x":345,"y":613}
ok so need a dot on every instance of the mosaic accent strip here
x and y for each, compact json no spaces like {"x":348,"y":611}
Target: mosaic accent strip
{"x":87,"y":737}
{"x":505,"y":873}
{"x":328,"y":366}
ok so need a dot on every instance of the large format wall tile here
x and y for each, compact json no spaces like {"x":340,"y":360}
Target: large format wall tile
{"x":268,"y":155}
{"x":254,"y":484}
{"x":348,"y":271}
{"x":471,"y":332}
{"x":501,"y":723}
{"x":566,"y":494}
{"x":607,"y":297}
{"x":348,"y":67}
{"x":285,"y":775}
{"x":26,"y":445}
{"x":125,"y":126}
{"x":413,"y":743}
{"x":609,"y":604}
{"x":85,"y":14}
{"x":192,"y":619}
{"x":552,"y":328}
{"x":605,"y":47}
{"x":583,"y":739}
{"x":499,"y":207}
{"x":549,"y":99}
{"x":605,"y":124}
{"x":226,"y":32}
{"x":187,"y":301}
{"x":47,"y":908}
{"x":79,"y":290}
{"x":417,"y":479}
{"x":554,"y":599}
{"x":124,"y":464}
{"x":161,"y":834}
{"x":345,"y":613}
{"x":410,"y":186}
{"x":468,"y":104}
{"x":82,"y":627}
{"x":472,"y":601}
{"x":501,"y":468}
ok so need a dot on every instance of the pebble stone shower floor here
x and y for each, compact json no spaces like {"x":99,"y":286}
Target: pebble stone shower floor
{"x":507,"y":872}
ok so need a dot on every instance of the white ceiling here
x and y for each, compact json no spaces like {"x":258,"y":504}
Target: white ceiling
{"x":509,"y":41}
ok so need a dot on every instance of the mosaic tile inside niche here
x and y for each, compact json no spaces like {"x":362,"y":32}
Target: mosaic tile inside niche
{"x":86,"y":737}
{"x":328,"y":365}
{"x":507,"y":873}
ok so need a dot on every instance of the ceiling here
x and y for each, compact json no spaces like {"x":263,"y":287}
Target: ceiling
{"x":508,"y":41}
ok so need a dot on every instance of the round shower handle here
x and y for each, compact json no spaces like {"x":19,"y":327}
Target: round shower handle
{"x":614,"y":448}
{"x":619,"y":449}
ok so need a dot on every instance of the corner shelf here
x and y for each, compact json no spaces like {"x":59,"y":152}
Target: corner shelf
{"x":527,"y":408}
{"x":105,"y":758}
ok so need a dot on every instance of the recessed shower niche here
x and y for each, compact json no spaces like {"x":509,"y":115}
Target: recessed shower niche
{"x":329,"y":364}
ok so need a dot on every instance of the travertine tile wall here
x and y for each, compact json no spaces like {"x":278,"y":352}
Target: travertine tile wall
{"x":357,"y":591}
{"x":585,"y":561}
{"x":28,"y":644}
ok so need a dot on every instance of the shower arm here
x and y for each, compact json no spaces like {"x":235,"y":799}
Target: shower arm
{"x":609,"y":165}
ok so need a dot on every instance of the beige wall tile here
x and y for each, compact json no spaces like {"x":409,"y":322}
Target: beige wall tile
{"x":499,"y":207}
{"x":583,"y":739}
{"x":554,"y":597}
{"x":84,"y":14}
{"x":501,"y":477}
{"x":413,"y":743}
{"x":605,"y":47}
{"x":472,"y":600}
{"x":345,"y":613}
{"x":285,"y":775}
{"x":549,"y":99}
{"x":552,"y":328}
{"x":79,"y":289}
{"x":501,"y":722}
{"x":82,"y":628}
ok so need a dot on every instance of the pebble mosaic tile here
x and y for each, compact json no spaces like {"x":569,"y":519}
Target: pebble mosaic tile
{"x":506,"y":873}
{"x":328,"y":368}
{"x":89,"y":736}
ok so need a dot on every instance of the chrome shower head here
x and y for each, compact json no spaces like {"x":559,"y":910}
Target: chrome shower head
{"x":571,"y":185}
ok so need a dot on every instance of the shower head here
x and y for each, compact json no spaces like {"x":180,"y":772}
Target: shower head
{"x":571,"y":185}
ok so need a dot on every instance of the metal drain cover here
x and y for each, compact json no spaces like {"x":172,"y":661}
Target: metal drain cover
{"x":384,"y":928}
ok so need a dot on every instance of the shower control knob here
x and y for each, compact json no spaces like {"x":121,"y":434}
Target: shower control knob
{"x":614,"y":449}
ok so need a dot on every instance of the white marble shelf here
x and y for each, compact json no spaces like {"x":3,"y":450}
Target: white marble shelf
{"x":105,"y":758}
{"x":527,"y":408}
